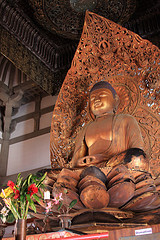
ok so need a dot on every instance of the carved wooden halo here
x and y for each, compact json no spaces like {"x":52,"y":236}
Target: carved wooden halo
{"x":131,"y":64}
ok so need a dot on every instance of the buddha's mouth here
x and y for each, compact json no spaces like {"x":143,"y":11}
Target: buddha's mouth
{"x":97,"y":104}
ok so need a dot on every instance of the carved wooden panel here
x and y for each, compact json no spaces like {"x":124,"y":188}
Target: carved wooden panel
{"x":131,"y":64}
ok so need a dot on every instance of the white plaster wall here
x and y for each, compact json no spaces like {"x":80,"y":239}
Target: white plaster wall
{"x":25,"y":109}
{"x":30,"y":154}
{"x":45,"y":120}
{"x":48,"y":101}
{"x":23,"y":128}
{"x":33,"y":153}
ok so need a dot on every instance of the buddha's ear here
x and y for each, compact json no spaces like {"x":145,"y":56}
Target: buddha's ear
{"x":91,"y":113}
{"x":117,"y":101}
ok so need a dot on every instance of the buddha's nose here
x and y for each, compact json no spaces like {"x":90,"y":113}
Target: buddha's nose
{"x":97,"y":99}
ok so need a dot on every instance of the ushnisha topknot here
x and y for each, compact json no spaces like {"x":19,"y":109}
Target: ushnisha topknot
{"x":104,"y":84}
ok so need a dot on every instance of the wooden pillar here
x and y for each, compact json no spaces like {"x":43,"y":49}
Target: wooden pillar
{"x":13,"y":101}
{"x":37,"y":113}
{"x":5,"y":139}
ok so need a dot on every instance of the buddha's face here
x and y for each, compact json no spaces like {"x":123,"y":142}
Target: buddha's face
{"x":101,"y":102}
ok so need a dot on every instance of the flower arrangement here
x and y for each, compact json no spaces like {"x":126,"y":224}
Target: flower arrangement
{"x":58,"y":205}
{"x":19,"y":196}
{"x":4,"y":214}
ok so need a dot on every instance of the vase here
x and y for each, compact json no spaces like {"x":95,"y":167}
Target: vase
{"x":65,"y":221}
{"x":20,"y":229}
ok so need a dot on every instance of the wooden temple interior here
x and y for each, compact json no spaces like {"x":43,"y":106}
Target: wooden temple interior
{"x":52,"y":53}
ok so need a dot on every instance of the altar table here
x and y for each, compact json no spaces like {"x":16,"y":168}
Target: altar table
{"x":51,"y":235}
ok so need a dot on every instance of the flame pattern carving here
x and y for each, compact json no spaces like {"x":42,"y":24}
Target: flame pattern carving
{"x":131,"y":64}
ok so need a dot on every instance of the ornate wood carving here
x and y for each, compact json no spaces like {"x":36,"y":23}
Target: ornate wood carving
{"x":55,"y":55}
{"x":29,"y":64}
{"x":51,"y":49}
{"x":66,"y":17}
{"x":131,"y":64}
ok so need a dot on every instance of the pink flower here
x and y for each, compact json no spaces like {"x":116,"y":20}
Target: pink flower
{"x":32,"y":189}
{"x":11,"y":184}
{"x":49,"y":206}
{"x":58,"y":198}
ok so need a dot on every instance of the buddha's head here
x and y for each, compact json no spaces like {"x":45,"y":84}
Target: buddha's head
{"x":103,"y":99}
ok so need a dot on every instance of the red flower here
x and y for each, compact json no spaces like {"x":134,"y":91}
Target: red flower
{"x":11,"y":184}
{"x":32,"y":189}
{"x":17,"y":194}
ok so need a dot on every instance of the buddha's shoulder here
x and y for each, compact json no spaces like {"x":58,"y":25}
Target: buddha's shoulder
{"x":123,"y":116}
{"x":82,"y":130}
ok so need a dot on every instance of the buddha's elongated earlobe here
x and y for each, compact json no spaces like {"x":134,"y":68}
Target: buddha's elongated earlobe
{"x":117,"y":101}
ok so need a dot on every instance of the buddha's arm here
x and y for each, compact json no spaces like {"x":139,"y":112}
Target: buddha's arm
{"x":81,"y":149}
{"x":131,"y":138}
{"x":134,"y":136}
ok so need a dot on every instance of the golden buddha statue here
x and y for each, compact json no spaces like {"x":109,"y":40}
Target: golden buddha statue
{"x":109,"y":135}
{"x":109,"y":153}
{"x":106,"y":165}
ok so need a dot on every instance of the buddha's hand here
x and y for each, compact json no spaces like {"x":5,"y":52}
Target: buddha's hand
{"x":89,"y":160}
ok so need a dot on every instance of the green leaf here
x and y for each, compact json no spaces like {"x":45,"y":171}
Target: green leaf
{"x":39,"y":190}
{"x":22,"y":198}
{"x":41,"y":180}
{"x":72,"y":203}
{"x":10,"y":217}
{"x":24,"y":183}
{"x":14,"y":211}
{"x":11,"y":195}
{"x":60,"y":205}
{"x":36,"y":197}
{"x":33,"y":206}
{"x":23,"y":210}
{"x":29,"y":179}
{"x":26,"y":211}
{"x":28,"y":198}
{"x":18,"y":179}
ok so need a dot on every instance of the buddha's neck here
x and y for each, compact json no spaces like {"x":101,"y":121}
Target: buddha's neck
{"x":108,"y":114}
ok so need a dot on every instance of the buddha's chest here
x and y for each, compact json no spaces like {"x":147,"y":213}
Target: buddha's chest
{"x":101,"y":129}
